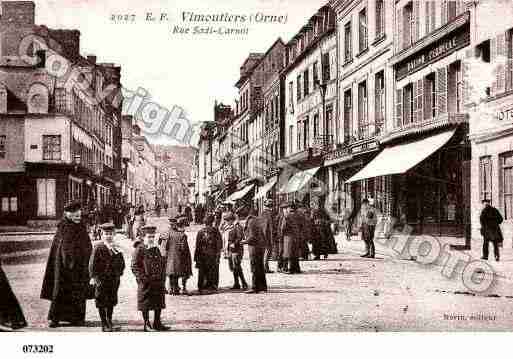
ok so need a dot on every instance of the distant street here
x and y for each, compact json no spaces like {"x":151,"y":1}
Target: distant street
{"x":344,"y":292}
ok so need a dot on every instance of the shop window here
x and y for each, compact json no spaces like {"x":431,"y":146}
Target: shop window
{"x":9,"y":205}
{"x":506,"y":184}
{"x":485,"y":178}
{"x":3,"y":151}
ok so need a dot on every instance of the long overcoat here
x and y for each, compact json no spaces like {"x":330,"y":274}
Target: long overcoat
{"x":149,"y":271}
{"x":106,"y":267}
{"x":177,"y":254}
{"x":267,"y":223}
{"x":66,"y":279}
{"x":290,"y":230}
{"x":10,"y":309}
{"x":490,"y":220}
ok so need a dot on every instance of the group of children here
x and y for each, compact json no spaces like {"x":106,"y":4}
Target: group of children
{"x":152,"y":262}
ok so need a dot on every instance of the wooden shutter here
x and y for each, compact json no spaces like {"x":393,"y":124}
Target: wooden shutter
{"x":426,"y":18}
{"x":509,"y":60}
{"x":413,"y":115}
{"x":420,"y":100}
{"x":443,"y":15}
{"x":441,"y":90}
{"x":500,"y":67}
{"x":432,"y":15}
{"x":428,"y":104}
{"x":493,"y":60}
{"x":399,"y":34}
{"x":416,"y":18}
{"x":398,"y":107}
{"x":465,"y":73}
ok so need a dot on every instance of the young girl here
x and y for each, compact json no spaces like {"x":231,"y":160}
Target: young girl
{"x":106,"y":266}
{"x":148,"y":268}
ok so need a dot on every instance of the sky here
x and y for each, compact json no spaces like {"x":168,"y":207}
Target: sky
{"x":190,"y":71}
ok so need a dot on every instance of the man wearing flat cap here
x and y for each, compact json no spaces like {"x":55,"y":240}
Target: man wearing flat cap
{"x":177,"y":256}
{"x":66,"y":279}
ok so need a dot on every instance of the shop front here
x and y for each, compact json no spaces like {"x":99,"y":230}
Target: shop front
{"x":426,"y":184}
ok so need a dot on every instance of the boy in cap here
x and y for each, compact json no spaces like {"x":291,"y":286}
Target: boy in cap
{"x":175,"y":249}
{"x":106,"y":268}
{"x":149,"y":271}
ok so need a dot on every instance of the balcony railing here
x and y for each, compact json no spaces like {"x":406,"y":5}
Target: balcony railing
{"x":323,"y":144}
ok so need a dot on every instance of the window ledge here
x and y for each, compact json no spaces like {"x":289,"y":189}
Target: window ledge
{"x":363,"y":52}
{"x":379,"y":40}
{"x":348,"y":62}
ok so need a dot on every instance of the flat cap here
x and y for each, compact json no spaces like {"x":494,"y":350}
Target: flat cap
{"x":73,"y":206}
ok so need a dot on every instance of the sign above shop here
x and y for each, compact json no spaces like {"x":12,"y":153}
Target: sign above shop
{"x":439,"y":49}
{"x":505,"y":115}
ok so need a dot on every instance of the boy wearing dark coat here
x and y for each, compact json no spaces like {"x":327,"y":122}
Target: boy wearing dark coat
{"x":106,"y":268}
{"x":177,"y":256}
{"x":149,"y":271}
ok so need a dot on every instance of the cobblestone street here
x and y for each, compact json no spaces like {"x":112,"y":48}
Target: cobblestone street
{"x":345,"y":292}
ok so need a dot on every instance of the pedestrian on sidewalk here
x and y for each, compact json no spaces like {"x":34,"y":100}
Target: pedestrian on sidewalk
{"x":268,"y":227}
{"x":233,"y":235}
{"x":106,"y":268}
{"x":255,"y":239}
{"x":319,"y":237}
{"x":368,"y":220}
{"x":66,"y":279}
{"x":177,"y":256}
{"x":303,"y":212}
{"x":290,"y":230}
{"x":149,"y":271}
{"x":490,"y":220}
{"x":279,"y":252}
{"x":11,"y":314}
{"x":209,"y":245}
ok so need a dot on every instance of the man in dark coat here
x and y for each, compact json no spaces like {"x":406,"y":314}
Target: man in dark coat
{"x":150,"y":274}
{"x":106,"y":268}
{"x":303,"y":213}
{"x":207,"y":253}
{"x":267,"y":221}
{"x":255,"y":239}
{"x":188,"y":214}
{"x":234,"y":235}
{"x":66,"y":280}
{"x":319,"y":239}
{"x":291,"y":232}
{"x":368,"y":220}
{"x":490,"y":220}
{"x":177,"y":256}
{"x":11,"y":313}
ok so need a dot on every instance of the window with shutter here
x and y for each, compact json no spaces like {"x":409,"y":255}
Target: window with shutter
{"x":509,"y":60}
{"x":348,"y":114}
{"x":362,"y":33}
{"x":420,"y":100}
{"x":426,"y":18}
{"x":443,"y":12}
{"x":465,"y":72}
{"x":416,"y":19}
{"x":399,"y":31}
{"x":398,"y":107}
{"x":414,"y":98}
{"x":432,"y":16}
{"x":441,"y":88}
{"x":451,"y":10}
{"x":493,"y":61}
{"x":429,"y":97}
{"x":500,"y":67}
{"x":379,"y":110}
{"x":407,"y":25}
{"x":380,"y":19}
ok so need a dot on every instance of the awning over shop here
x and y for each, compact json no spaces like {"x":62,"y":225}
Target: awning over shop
{"x":299,"y":180}
{"x":239,"y":194}
{"x":266,"y":188}
{"x":401,"y":158}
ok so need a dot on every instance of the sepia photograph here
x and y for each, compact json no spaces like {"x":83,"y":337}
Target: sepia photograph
{"x":258,"y":166}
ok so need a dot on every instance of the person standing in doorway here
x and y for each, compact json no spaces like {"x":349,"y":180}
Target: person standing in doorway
{"x":490,"y":219}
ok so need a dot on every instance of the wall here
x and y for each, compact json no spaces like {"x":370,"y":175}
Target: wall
{"x":14,"y":130}
{"x":35,"y":128}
